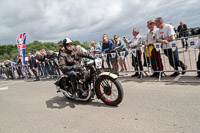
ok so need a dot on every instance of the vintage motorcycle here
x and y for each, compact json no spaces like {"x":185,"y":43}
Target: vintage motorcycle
{"x":92,"y":81}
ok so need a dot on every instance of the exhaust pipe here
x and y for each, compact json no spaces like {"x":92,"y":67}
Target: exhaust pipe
{"x":81,"y":99}
{"x":63,"y":91}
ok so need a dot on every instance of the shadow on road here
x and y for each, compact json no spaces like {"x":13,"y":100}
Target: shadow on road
{"x":62,"y":102}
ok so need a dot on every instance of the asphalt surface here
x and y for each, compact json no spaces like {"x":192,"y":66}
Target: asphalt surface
{"x":147,"y":107}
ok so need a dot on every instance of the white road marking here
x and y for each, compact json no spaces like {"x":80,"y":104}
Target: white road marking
{"x":177,"y":78}
{"x":4,"y":88}
{"x":12,"y":83}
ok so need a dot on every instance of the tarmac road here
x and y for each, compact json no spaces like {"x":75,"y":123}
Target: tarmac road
{"x":147,"y":107}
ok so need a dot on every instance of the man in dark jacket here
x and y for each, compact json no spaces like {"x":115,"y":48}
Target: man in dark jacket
{"x":1,"y":72}
{"x":53,"y":63}
{"x":33,"y":65}
{"x":69,"y":63}
{"x":40,"y":64}
{"x":106,"y":49}
{"x":45,"y":62}
{"x":183,"y":32}
{"x":19,"y":67}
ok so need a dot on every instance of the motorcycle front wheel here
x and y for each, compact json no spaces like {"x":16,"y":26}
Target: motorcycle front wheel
{"x":109,"y":90}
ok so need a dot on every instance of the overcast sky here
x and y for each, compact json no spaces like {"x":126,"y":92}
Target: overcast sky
{"x":86,"y":20}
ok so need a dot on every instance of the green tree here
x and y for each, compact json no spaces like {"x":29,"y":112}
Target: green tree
{"x":86,"y":45}
{"x":100,"y":43}
{"x":60,"y":42}
{"x":75,"y":43}
{"x":13,"y":57}
{"x":5,"y":57}
{"x":34,"y":46}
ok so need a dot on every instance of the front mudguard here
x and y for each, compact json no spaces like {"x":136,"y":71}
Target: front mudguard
{"x":102,"y":75}
{"x":114,"y":76}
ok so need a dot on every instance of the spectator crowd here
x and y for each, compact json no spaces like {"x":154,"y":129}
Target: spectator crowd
{"x":113,"y":51}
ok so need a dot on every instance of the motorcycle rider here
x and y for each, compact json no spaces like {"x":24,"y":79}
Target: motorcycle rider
{"x":69,"y":63}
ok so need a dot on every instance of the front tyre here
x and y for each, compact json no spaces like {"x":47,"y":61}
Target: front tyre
{"x":109,"y":90}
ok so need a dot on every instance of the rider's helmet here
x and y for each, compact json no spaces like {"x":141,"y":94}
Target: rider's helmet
{"x":66,"y":42}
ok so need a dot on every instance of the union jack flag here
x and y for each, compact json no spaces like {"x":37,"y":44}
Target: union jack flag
{"x":21,"y":44}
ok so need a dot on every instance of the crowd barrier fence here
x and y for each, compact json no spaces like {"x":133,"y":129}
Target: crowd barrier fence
{"x":188,"y":56}
{"x":163,"y":63}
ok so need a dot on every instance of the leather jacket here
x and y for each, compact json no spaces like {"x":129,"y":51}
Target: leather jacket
{"x":68,"y":59}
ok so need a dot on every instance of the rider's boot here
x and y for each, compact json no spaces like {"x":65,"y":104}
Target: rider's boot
{"x":74,"y":90}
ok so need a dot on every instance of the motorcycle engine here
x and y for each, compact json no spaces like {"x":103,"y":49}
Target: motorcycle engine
{"x":85,"y":74}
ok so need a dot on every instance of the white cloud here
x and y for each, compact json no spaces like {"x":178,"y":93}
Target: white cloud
{"x":87,"y":20}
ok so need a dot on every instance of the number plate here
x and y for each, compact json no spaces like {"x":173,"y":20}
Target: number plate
{"x":98,"y":63}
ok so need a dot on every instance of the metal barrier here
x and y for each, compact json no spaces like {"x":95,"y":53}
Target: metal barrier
{"x":45,"y":70}
{"x":168,"y":60}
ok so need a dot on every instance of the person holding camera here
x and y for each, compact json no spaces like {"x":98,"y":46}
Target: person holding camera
{"x":136,"y":43}
{"x":120,"y":46}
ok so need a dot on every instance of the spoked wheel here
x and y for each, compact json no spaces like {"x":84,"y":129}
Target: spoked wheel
{"x":109,"y":90}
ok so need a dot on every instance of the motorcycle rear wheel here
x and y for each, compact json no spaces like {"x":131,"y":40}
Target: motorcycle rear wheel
{"x":109,"y":90}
